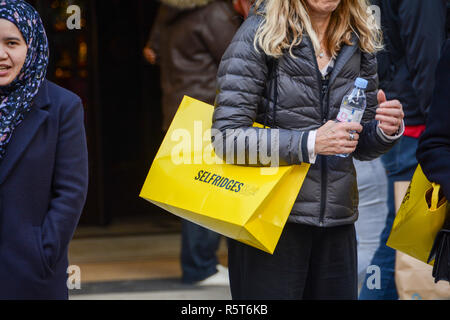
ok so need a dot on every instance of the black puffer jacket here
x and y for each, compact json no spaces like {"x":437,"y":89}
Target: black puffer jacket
{"x":329,"y":196}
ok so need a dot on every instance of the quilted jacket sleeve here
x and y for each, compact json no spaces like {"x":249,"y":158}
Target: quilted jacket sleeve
{"x":242,"y":78}
{"x":371,"y":143}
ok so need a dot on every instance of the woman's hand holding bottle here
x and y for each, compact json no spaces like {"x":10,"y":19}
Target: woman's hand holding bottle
{"x":336,"y":138}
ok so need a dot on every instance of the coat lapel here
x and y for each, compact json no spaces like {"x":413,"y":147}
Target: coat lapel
{"x":347,"y":51}
{"x":344,"y":55}
{"x":25,"y":132}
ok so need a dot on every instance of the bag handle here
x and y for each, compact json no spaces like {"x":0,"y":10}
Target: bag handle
{"x":435,"y":197}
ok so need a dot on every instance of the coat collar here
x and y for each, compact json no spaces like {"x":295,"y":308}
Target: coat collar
{"x":25,"y":132}
{"x":42,"y":98}
{"x":346,"y":52}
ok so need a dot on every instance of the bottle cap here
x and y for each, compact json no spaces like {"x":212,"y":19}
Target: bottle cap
{"x":361,"y":83}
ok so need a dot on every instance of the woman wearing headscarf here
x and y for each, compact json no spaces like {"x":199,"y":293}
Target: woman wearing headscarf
{"x":289,"y":67}
{"x":43,"y":162}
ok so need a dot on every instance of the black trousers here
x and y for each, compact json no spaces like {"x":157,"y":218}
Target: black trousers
{"x":310,"y":263}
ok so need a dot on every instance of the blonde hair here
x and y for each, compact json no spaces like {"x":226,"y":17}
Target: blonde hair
{"x":286,"y":21}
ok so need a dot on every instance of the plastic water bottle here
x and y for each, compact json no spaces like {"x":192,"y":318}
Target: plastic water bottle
{"x":353,"y":105}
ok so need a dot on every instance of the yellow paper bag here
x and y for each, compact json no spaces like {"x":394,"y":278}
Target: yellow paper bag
{"x":413,"y":278}
{"x":248,"y":204}
{"x":420,"y":218}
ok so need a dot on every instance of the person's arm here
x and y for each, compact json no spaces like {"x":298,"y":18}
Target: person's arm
{"x":241,"y":81}
{"x":434,"y":147}
{"x":422,"y":30}
{"x":70,"y":183}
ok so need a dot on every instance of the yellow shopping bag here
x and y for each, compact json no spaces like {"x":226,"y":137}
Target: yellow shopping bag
{"x":248,"y":204}
{"x":420,"y":218}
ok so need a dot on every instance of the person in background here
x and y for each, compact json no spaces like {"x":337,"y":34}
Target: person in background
{"x":373,"y":210}
{"x":413,"y":33}
{"x":434,"y":146}
{"x":289,"y":67}
{"x":187,"y":41}
{"x":43,"y":162}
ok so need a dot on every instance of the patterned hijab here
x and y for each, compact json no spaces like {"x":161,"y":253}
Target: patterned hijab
{"x":17,"y":97}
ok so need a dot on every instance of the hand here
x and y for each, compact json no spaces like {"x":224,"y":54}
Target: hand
{"x":149,"y":55}
{"x":336,"y":138}
{"x":389,"y":114}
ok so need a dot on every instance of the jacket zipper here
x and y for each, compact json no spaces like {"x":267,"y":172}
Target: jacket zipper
{"x":324,"y":172}
{"x":324,"y":193}
{"x":324,"y":175}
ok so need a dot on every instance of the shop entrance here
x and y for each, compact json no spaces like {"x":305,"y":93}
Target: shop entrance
{"x":102,"y":62}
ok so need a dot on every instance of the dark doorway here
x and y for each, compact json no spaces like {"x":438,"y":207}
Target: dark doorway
{"x":103,"y":64}
{"x":130,"y":103}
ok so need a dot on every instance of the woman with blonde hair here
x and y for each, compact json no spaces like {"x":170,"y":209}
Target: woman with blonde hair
{"x":288,"y":67}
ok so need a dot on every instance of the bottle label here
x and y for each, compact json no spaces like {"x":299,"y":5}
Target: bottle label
{"x":350,"y":115}
{"x":345,"y":115}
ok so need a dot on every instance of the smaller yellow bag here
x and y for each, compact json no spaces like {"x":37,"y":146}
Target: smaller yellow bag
{"x":420,"y":218}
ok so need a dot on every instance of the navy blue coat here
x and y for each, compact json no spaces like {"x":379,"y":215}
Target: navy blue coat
{"x":43,"y":186}
{"x":434,"y":147}
{"x":414,"y":32}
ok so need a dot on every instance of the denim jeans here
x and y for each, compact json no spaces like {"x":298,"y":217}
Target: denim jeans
{"x":373,"y":211}
{"x":400,"y":164}
{"x":198,"y":252}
